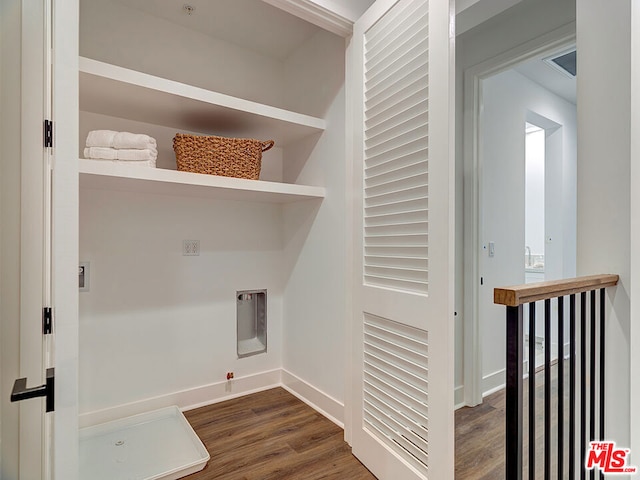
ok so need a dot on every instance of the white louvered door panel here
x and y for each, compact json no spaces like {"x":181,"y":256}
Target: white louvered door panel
{"x":402,"y":396}
{"x":395,"y":387}
{"x":396,"y":144}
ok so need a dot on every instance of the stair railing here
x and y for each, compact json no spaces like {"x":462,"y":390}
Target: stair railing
{"x":586,"y":382}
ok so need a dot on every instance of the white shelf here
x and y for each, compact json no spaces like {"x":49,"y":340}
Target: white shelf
{"x":119,"y":92}
{"x":105,"y":175}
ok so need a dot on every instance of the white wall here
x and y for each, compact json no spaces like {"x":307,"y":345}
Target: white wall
{"x":156,"y":322}
{"x":315,"y":294}
{"x":604,"y":187}
{"x":314,"y":74}
{"x":113,"y":33}
{"x":528,"y":20}
{"x":508,"y":100}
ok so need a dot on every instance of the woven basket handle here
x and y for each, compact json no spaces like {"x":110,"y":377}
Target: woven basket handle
{"x":267,"y":145}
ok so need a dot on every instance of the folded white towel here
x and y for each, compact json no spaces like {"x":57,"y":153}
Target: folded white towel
{"x":125,"y":140}
{"x":102,"y":153}
{"x":120,"y":140}
{"x":101,"y":138}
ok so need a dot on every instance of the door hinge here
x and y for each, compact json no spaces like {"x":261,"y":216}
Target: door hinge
{"x":47,"y":321}
{"x":48,"y":133}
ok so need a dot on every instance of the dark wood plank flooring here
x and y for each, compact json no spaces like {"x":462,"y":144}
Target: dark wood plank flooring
{"x":480,"y":433}
{"x":272,"y":435}
{"x":480,"y":440}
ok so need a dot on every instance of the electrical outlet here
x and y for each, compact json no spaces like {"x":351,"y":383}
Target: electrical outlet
{"x":83,"y":276}
{"x":190,"y":247}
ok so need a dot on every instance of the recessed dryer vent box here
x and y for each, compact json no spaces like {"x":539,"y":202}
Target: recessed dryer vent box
{"x":251,"y":320}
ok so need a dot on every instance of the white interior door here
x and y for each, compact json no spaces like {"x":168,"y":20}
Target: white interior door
{"x":34,"y":234}
{"x":402,"y":410}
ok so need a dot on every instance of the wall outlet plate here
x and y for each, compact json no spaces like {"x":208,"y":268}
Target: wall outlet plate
{"x":83,"y":276}
{"x":191,"y":247}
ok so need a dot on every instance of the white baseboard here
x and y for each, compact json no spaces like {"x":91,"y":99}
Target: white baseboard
{"x":221,"y":391}
{"x":497,"y":380}
{"x":493,"y":382}
{"x":316,"y":399}
{"x":458,"y":397}
{"x":188,"y":399}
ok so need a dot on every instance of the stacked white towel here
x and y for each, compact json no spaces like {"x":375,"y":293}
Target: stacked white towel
{"x":125,"y":147}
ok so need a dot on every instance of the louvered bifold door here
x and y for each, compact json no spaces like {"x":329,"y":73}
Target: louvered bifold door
{"x":402,"y":396}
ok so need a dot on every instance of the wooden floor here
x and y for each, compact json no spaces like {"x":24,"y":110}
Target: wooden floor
{"x":480,"y":433}
{"x":480,"y":440}
{"x":272,"y":435}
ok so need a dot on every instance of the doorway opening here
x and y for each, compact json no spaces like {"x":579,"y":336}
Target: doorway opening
{"x":534,"y":233}
{"x":534,"y":220}
{"x":520,"y":210}
{"x":527,"y":191}
{"x":519,"y":228}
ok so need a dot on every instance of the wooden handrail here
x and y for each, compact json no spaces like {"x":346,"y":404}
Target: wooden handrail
{"x":532,"y":292}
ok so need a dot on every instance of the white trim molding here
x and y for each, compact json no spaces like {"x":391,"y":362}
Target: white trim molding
{"x":225,"y":390}
{"x":316,"y":14}
{"x":634,"y":293}
{"x":316,"y":399}
{"x":458,"y":396}
{"x":494,"y":382}
{"x":188,"y":399}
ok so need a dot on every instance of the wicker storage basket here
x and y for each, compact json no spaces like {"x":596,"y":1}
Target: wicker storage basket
{"x":229,"y":157}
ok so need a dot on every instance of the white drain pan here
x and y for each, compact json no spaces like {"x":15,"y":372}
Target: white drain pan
{"x":158,"y":445}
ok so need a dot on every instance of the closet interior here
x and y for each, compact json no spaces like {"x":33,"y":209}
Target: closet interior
{"x":159,"y":325}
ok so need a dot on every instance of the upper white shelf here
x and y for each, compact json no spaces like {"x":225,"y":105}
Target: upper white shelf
{"x":109,"y":176}
{"x":120,"y":92}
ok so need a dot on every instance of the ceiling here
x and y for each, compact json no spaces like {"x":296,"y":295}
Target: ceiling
{"x":549,"y":77}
